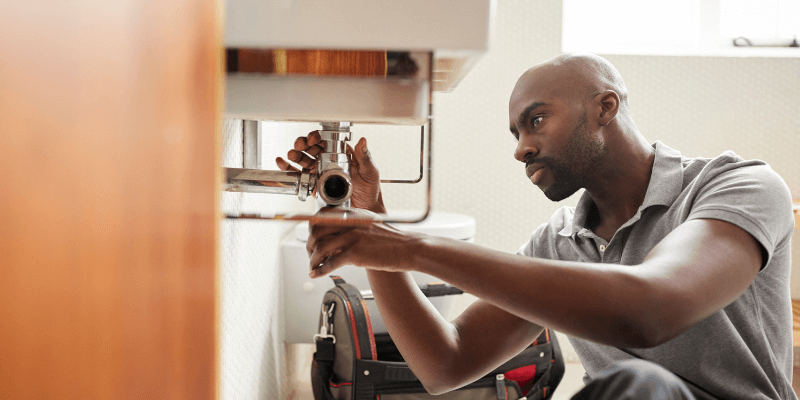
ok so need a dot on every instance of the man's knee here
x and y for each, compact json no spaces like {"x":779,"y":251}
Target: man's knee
{"x":635,"y":379}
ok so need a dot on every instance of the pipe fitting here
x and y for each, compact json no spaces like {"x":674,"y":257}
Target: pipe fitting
{"x":334,"y":186}
{"x":275,"y":182}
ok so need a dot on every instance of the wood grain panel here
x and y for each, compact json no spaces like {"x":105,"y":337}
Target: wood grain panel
{"x":254,"y":60}
{"x":109,"y":116}
{"x":336,"y":62}
{"x":309,"y":62}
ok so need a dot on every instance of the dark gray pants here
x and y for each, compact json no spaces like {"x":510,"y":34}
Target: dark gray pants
{"x":635,"y":379}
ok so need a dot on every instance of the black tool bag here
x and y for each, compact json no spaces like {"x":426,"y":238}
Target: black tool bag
{"x":353,"y":363}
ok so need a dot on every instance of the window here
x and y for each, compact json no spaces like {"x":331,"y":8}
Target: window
{"x":769,"y":20}
{"x":682,"y":27}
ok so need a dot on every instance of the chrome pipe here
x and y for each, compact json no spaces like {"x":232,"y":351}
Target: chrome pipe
{"x":251,"y":144}
{"x":334,"y":184}
{"x":263,"y":181}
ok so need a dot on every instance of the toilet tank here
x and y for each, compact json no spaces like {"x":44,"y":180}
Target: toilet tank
{"x":302,"y":296}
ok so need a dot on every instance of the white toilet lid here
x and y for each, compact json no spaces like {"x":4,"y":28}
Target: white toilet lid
{"x":438,"y":223}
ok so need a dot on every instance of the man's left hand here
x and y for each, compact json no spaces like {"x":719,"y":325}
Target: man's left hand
{"x":370,"y":244}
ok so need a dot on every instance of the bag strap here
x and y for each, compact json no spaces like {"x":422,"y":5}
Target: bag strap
{"x":360,"y":323}
{"x":326,"y":353}
{"x":323,"y":358}
{"x":550,"y":379}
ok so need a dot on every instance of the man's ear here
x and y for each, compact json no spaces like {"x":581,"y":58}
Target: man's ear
{"x":609,"y":106}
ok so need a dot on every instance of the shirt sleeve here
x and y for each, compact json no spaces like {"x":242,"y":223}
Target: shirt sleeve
{"x":529,"y":248}
{"x":750,"y":195}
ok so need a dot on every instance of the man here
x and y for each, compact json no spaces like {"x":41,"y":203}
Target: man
{"x":670,"y":276}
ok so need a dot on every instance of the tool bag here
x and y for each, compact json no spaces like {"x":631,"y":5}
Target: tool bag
{"x":351,"y":362}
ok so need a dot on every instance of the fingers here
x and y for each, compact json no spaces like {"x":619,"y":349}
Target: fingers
{"x":366,"y":166}
{"x":320,"y":233}
{"x":321,"y":254}
{"x":361,"y":152}
{"x":305,"y":151}
{"x":284,"y":165}
{"x":298,"y":157}
{"x":314,"y":138}
{"x":330,"y":264}
{"x":344,"y":217}
{"x":309,"y":142}
{"x":300,"y":145}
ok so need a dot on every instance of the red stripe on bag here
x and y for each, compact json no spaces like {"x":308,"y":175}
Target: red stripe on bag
{"x":371,"y":333}
{"x":353,"y":326}
{"x":336,"y":385}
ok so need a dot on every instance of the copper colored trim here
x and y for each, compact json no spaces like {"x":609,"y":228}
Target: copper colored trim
{"x":307,"y":62}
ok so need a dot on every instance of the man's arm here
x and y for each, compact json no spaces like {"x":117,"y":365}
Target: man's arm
{"x":698,"y":269}
{"x":443,"y":355}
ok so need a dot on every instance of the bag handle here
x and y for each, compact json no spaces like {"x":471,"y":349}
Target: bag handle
{"x":326,"y":353}
{"x":325,"y":341}
{"x":360,"y":323}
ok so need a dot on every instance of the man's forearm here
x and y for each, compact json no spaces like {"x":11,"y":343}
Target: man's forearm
{"x":446,"y":356}
{"x":596,"y":297}
{"x":425,"y":339}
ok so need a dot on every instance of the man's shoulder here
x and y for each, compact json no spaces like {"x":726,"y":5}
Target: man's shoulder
{"x":746,"y":193}
{"x":703,"y":169}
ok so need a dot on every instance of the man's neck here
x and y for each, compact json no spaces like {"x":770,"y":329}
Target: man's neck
{"x":619,"y":189}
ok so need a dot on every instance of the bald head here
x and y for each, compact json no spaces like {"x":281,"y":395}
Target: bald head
{"x":571,"y":121}
{"x":574,"y":77}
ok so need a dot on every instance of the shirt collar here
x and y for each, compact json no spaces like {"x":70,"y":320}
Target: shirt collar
{"x":666,"y":183}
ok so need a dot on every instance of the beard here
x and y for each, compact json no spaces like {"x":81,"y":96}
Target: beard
{"x":572,"y":166}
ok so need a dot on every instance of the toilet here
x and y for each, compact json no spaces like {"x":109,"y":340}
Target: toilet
{"x":302,"y":296}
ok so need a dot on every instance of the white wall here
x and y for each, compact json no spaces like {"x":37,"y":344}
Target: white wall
{"x":253,"y":364}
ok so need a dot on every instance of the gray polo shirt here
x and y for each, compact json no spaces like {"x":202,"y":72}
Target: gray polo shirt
{"x":744,"y":351}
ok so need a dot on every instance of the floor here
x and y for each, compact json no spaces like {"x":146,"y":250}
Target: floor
{"x":571,"y":383}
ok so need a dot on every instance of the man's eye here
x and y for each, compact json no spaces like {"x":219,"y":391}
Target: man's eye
{"x":535,"y":121}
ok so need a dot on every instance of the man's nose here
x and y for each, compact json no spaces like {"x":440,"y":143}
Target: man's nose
{"x":525,"y":150}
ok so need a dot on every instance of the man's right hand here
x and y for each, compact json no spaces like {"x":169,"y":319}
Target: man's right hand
{"x":363,"y":171}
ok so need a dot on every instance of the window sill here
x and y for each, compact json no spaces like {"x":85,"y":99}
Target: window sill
{"x":771,"y":52}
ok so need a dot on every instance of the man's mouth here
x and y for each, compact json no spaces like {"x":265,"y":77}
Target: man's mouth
{"x":530,"y":169}
{"x":534,"y":172}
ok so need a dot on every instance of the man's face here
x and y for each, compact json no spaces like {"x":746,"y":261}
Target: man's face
{"x":556,"y":140}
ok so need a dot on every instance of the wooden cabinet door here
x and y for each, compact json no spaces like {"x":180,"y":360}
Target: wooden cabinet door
{"x":109,"y":125}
